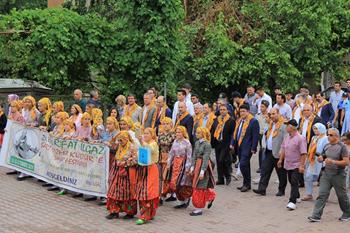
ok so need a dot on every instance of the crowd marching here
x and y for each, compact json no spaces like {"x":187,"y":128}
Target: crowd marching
{"x":304,"y":139}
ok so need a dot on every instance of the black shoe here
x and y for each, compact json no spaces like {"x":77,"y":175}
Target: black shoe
{"x":182,"y":206}
{"x":90,"y":199}
{"x":11,"y":173}
{"x":21,"y":178}
{"x":171,"y":198}
{"x":46,"y":185}
{"x":54,"y":188}
{"x":228,"y":181}
{"x":196,"y":213}
{"x":161,"y":201}
{"x":128,"y":216}
{"x":210,"y":204}
{"x":245,"y":189}
{"x":280,"y":194}
{"x":220,"y":183}
{"x":260,"y":192}
{"x":258,"y":171}
{"x":239,"y":188}
{"x":77,"y":195}
{"x":112,"y":216}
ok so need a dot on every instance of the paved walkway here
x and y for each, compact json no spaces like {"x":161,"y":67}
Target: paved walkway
{"x":27,"y":207}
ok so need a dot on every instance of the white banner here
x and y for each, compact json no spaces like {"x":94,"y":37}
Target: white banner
{"x":71,"y":164}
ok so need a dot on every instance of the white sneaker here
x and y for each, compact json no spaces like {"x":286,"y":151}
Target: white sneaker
{"x":298,"y":200}
{"x":291,"y":206}
{"x":256,"y":181}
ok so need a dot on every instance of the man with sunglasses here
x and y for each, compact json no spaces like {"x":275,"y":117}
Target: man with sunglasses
{"x":335,"y":156}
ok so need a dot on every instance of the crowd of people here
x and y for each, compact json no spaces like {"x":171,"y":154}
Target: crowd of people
{"x":304,"y":139}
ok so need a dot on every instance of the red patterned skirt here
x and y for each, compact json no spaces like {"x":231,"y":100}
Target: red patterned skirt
{"x":120,"y":195}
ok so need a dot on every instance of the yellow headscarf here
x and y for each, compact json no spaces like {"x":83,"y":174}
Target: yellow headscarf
{"x":78,"y":108}
{"x":47,"y":103}
{"x":32,"y":100}
{"x":124,"y":135}
{"x":63,"y":115}
{"x":85,"y":116}
{"x":165,"y":120}
{"x":59,"y":105}
{"x":70,"y":123}
{"x":152,"y":132}
{"x":17,"y":104}
{"x":183,"y":131}
{"x":205,"y":132}
{"x":114,"y":121}
{"x":129,"y":122}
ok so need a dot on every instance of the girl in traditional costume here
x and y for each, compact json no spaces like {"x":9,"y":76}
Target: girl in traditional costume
{"x":31,"y":118}
{"x":122,"y":175}
{"x":147,"y":179}
{"x":59,"y":126}
{"x":202,"y":172}
{"x":165,"y":140}
{"x":98,"y":129}
{"x":45,"y":108}
{"x":30,"y":113}
{"x":57,"y":107}
{"x":15,"y":112}
{"x":84,"y":131}
{"x":179,"y":164}
{"x":76,"y":114}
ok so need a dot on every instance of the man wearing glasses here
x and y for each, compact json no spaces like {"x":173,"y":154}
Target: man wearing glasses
{"x":335,"y":156}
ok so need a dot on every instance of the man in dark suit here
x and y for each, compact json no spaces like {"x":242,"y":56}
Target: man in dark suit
{"x":245,"y":143}
{"x":221,"y":133}
{"x":324,"y":109}
{"x":185,"y":119}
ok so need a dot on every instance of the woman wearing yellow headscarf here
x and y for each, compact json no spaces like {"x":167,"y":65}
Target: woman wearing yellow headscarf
{"x":120,"y":195}
{"x":30,"y":113}
{"x":147,"y":179}
{"x":59,"y":128}
{"x":76,"y":114}
{"x":45,"y":108}
{"x":98,"y":128}
{"x":179,"y":164}
{"x":57,"y":107}
{"x":202,"y":172}
{"x":127,"y":124}
{"x":165,"y":140}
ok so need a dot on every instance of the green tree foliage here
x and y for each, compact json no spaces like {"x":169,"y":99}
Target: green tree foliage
{"x":7,"y":5}
{"x":141,"y":47}
{"x":235,"y":43}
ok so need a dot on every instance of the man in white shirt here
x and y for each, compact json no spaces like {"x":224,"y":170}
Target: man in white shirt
{"x":187,"y":88}
{"x":336,"y":95}
{"x":284,"y":109}
{"x":181,"y":97}
{"x":263,"y":96}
